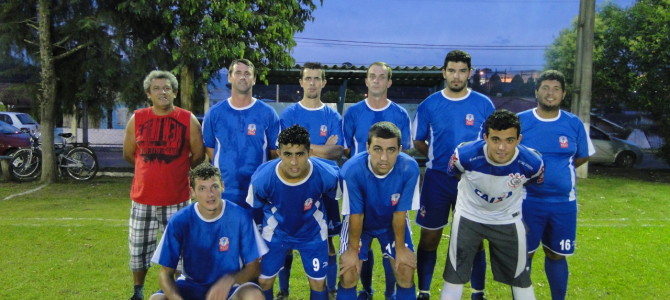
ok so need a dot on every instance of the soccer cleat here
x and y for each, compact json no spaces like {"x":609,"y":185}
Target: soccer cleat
{"x":478,"y":296}
{"x":282,"y":295}
{"x":136,"y":297}
{"x":423,"y":296}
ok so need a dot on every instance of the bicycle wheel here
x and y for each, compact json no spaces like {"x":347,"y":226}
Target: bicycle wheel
{"x":80,"y":163}
{"x":26,"y":165}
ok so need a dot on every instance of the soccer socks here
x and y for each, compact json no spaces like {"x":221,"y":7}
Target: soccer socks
{"x":389,"y":277}
{"x":285,"y":273}
{"x":451,"y":291}
{"x":523,"y":293}
{"x":366,"y":272}
{"x":557,"y":275}
{"x":344,"y":293}
{"x":478,"y":276}
{"x":314,"y":295}
{"x":331,"y":275}
{"x":425,"y":265}
{"x":406,"y":293}
{"x":268,"y":294}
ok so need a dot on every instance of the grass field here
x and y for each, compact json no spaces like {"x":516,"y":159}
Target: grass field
{"x":68,"y":241}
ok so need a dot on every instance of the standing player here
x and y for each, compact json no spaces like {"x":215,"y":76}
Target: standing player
{"x":551,"y":211}
{"x":218,"y":243}
{"x":379,"y":187}
{"x":239,"y":132}
{"x":443,"y":121}
{"x":324,"y":125}
{"x":162,"y":142}
{"x":291,"y":191}
{"x":492,"y":174}
{"x":357,"y":122}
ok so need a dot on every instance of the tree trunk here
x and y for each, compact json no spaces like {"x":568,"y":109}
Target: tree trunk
{"x":186,"y":87}
{"x":48,"y":92}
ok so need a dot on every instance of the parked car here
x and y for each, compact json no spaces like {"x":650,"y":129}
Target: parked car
{"x":12,"y":139}
{"x":613,"y":150}
{"x":21,"y":121}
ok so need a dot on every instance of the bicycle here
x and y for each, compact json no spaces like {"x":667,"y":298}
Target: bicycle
{"x":77,"y":161}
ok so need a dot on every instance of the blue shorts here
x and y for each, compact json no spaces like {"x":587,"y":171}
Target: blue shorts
{"x":314,"y":257}
{"x":190,"y":290}
{"x":333,"y":216}
{"x":385,"y":237}
{"x":555,"y":224}
{"x":438,"y":198}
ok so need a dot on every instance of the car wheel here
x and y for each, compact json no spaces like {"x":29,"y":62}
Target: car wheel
{"x":625,"y":160}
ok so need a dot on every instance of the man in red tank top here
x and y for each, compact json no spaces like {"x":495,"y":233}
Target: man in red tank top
{"x":162,"y":142}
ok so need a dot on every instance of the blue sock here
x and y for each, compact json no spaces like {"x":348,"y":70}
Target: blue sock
{"x":268,"y":294}
{"x":390,"y":278}
{"x":425,"y":265}
{"x":557,"y":275}
{"x":344,"y":293}
{"x":331,"y":275}
{"x":366,"y":272}
{"x":314,"y":295}
{"x":478,"y":276}
{"x":285,"y":273}
{"x":406,"y":293}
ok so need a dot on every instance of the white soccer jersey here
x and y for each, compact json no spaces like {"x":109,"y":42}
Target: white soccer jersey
{"x":492,"y":193}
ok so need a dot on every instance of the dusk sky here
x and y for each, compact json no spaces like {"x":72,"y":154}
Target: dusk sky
{"x":499,"y":34}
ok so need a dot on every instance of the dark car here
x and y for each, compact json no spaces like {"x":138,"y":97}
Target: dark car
{"x":12,"y":139}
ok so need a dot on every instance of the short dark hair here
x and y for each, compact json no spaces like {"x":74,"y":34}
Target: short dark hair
{"x":294,"y":135}
{"x":387,"y":67}
{"x":550,"y":75}
{"x":503,"y":119}
{"x":458,"y":56}
{"x":243,"y":61}
{"x":313,"y":66}
{"x":384,"y":130}
{"x":204,"y":171}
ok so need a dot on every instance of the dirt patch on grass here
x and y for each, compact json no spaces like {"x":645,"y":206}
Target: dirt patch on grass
{"x":653,"y":175}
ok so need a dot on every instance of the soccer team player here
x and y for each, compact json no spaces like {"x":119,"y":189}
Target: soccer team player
{"x":478,"y":170}
{"x":291,"y":191}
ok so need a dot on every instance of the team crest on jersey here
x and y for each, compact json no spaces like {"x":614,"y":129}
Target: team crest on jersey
{"x":308,"y":204}
{"x":224,"y":244}
{"x":469,"y":119}
{"x":251,"y":129}
{"x":515,"y":180}
{"x":395,"y":198}
{"x":563,"y":141}
{"x":323,"y":130}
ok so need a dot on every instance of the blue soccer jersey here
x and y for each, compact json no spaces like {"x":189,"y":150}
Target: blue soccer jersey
{"x":492,"y":193}
{"x":320,"y":122}
{"x":293,"y":212}
{"x":560,"y":140}
{"x":378,"y":197}
{"x":360,"y":117}
{"x":210,"y":248}
{"x":240,"y":138}
{"x":445,"y":123}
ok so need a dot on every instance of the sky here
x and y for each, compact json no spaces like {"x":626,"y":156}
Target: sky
{"x":499,"y":34}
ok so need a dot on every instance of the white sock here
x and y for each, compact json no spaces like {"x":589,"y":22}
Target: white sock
{"x":523,"y":293}
{"x":451,"y":291}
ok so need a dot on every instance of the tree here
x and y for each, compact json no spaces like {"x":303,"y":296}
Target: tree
{"x":205,"y":36}
{"x":517,"y":86}
{"x":631,"y":60}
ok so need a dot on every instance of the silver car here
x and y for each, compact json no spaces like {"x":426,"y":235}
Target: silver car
{"x":613,"y":150}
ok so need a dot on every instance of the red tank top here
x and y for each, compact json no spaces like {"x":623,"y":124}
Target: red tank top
{"x":162,"y":157}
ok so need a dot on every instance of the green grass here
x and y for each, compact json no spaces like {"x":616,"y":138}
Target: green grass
{"x":69,"y":241}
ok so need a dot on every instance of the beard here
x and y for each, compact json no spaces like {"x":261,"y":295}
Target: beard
{"x":552,"y":108}
{"x":457,"y":89}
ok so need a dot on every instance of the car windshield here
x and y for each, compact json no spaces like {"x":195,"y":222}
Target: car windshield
{"x":26,"y":119}
{"x":8,"y":129}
